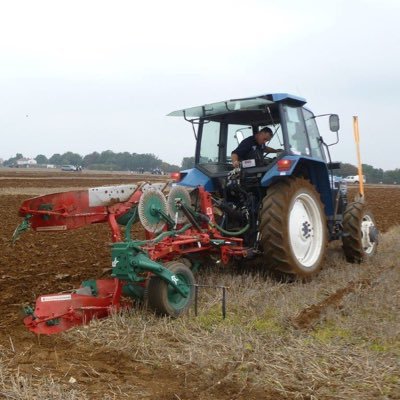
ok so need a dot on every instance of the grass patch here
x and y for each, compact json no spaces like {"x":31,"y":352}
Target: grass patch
{"x":256,"y":352}
{"x":329,"y":333}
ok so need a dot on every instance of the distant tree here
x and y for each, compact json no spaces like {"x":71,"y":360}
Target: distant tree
{"x":392,"y":176}
{"x":169,"y":167}
{"x":123,"y":161}
{"x":71,"y":158}
{"x":13,"y":160}
{"x":89,"y":159}
{"x":346,"y":170}
{"x":146,"y":161}
{"x":41,"y":159}
{"x":55,"y":159}
{"x":107,"y":156}
{"x":187,"y":162}
{"x":372,"y":175}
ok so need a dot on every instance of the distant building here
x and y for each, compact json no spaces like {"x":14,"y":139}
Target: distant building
{"x":26,"y":162}
{"x":1,"y":161}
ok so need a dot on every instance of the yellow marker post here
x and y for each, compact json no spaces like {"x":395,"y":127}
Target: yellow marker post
{"x":357,"y":140}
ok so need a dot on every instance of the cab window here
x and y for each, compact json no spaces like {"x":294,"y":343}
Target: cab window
{"x":277,"y":140}
{"x":297,"y":135}
{"x":209,"y":142}
{"x":236,"y":133}
{"x":313,"y":134}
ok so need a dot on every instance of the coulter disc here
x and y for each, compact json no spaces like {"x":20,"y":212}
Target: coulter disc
{"x":150,"y":204}
{"x":178,"y":193}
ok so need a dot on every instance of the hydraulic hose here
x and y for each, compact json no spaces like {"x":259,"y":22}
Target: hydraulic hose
{"x":222,"y":230}
{"x":231,"y":233}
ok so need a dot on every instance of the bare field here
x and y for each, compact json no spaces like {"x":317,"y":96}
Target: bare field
{"x":336,"y":337}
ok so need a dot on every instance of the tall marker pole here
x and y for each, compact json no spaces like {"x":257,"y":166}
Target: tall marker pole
{"x":357,"y":140}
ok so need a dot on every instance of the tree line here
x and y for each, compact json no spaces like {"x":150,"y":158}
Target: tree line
{"x":372,"y":174}
{"x":106,"y":161}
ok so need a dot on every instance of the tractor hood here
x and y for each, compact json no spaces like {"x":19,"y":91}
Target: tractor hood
{"x":235,"y":105}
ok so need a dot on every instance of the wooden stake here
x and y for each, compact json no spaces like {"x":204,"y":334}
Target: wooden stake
{"x":360,"y":171}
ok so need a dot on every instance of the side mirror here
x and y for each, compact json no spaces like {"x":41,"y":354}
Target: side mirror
{"x":334,"y":124}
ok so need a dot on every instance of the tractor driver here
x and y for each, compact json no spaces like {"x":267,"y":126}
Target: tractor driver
{"x":254,"y":147}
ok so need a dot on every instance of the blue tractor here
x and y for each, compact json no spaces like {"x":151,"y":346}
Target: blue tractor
{"x":287,"y":207}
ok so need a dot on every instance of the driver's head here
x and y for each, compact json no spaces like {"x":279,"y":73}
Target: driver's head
{"x":264,"y":135}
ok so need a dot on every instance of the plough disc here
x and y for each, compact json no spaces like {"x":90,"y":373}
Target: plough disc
{"x":178,"y":194}
{"x":152,"y":205}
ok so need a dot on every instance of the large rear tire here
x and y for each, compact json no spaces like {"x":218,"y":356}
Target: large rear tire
{"x":360,"y":235}
{"x":293,"y":228}
{"x":164,"y":299}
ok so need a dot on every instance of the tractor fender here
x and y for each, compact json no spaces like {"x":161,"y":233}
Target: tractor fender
{"x":194,"y":177}
{"x":317,"y":173}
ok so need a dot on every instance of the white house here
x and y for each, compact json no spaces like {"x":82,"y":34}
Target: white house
{"x":26,"y":162}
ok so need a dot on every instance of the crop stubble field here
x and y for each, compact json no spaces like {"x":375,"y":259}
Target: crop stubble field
{"x":336,"y":337}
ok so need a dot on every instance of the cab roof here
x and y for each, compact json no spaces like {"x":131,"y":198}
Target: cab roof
{"x":245,"y":104}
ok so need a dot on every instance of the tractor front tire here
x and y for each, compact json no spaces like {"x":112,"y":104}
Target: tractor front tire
{"x":293,"y":228}
{"x":360,"y":235}
{"x":164,"y":299}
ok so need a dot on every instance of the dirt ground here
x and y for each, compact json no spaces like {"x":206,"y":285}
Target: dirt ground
{"x":55,"y":262}
{"x":52,"y":263}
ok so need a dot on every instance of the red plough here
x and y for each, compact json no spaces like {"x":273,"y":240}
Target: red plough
{"x":158,"y":267}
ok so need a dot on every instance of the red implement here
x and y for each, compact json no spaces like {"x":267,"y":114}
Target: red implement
{"x":55,"y":313}
{"x":133,"y":261}
{"x":74,"y":209}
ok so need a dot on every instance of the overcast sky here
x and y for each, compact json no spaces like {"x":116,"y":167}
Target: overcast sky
{"x":88,"y":76}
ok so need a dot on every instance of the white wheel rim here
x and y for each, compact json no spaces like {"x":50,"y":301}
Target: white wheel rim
{"x":305,"y":230}
{"x":366,"y":225}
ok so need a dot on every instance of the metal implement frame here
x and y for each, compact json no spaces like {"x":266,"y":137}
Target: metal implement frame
{"x":133,"y":262}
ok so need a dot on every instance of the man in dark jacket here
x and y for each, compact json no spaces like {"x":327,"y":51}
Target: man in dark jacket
{"x":254,"y":147}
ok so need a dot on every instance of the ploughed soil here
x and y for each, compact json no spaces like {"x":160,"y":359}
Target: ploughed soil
{"x":43,"y":263}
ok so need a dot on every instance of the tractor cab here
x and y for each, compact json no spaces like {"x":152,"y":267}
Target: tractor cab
{"x":223,"y":125}
{"x":302,"y":154}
